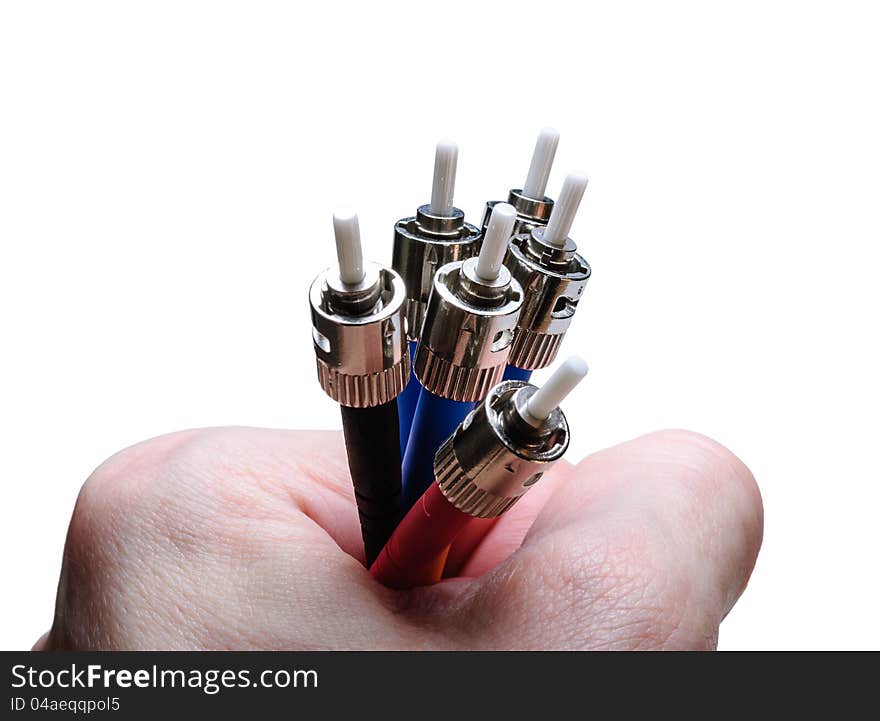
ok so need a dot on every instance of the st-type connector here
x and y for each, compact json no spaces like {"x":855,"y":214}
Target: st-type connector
{"x":533,"y":207}
{"x":358,"y":325}
{"x":500,"y":450}
{"x":553,"y":276}
{"x":470,"y":320}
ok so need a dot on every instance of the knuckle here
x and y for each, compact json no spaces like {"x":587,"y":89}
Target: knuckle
{"x":129,"y":482}
{"x":714,"y":474}
{"x":723,"y":509}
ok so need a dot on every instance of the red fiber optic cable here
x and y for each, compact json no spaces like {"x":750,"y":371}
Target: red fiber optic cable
{"x":416,"y":551}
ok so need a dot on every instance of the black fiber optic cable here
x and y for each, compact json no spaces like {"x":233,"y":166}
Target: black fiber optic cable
{"x":372,"y":442}
{"x":359,"y":336}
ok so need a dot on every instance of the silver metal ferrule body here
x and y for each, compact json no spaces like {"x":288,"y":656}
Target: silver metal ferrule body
{"x":553,"y":280}
{"x":468,"y":330}
{"x":422,"y":244}
{"x":530,"y":212}
{"x":499,"y":452}
{"x":359,"y":335}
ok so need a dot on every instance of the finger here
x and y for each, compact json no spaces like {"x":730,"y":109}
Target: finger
{"x":239,"y":473}
{"x":648,"y":545}
{"x":221,"y":539}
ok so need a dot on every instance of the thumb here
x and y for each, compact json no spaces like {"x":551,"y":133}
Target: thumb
{"x":647,"y":545}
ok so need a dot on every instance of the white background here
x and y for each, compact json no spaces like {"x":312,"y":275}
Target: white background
{"x":168,"y":170}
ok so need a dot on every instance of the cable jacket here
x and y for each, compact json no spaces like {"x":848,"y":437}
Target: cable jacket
{"x":372,"y":442}
{"x":415,"y":552}
{"x":435,"y":420}
{"x":512,"y":373}
{"x":406,"y":401}
{"x":466,"y":544}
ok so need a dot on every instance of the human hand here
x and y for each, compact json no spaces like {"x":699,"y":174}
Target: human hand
{"x":244,"y":538}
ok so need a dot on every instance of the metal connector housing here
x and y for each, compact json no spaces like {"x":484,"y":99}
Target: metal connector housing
{"x":359,"y":336}
{"x":468,"y":331}
{"x":553,"y":280}
{"x":530,"y":212}
{"x":499,"y":452}
{"x":422,"y":244}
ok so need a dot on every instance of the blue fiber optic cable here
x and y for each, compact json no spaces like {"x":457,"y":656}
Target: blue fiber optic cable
{"x":512,"y":373}
{"x":435,"y":420}
{"x":406,"y":401}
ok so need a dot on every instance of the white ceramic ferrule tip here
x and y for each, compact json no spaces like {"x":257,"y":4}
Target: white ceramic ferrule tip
{"x":562,"y":216}
{"x":495,"y":242}
{"x":564,"y":379}
{"x":542,"y":161}
{"x":443,"y":189}
{"x":348,"y":247}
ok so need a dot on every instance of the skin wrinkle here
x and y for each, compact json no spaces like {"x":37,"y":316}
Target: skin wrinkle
{"x":131,"y":591}
{"x":188,"y":605}
{"x":238,"y":585}
{"x":673,"y":586}
{"x":251,"y":517}
{"x":262,"y":613}
{"x":680,"y":563}
{"x":304,"y":477}
{"x":310,"y":511}
{"x":204,"y":615}
{"x":616,"y":584}
{"x":522,"y":586}
{"x":254,"y":483}
{"x":304,"y":474}
{"x":425,"y":609}
{"x":641,"y":599}
{"x":235,"y":538}
{"x":514,"y":581}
